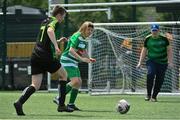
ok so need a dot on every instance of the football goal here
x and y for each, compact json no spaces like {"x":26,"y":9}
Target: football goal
{"x":117,"y":47}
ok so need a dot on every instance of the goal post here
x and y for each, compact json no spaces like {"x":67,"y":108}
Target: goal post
{"x":117,"y":47}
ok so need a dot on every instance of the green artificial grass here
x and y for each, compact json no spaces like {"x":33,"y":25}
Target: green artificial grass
{"x":40,"y":106}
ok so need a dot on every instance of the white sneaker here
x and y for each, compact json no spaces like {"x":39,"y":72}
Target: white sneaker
{"x":56,"y":100}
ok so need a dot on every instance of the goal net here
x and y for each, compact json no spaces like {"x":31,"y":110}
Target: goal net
{"x":117,"y":47}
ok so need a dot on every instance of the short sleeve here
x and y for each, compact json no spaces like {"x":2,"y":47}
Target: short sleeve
{"x":74,"y":41}
{"x":167,"y":41}
{"x":145,"y":42}
{"x":53,"y":24}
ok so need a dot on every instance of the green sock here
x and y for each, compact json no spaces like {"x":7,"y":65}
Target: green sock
{"x":73,"y":95}
{"x":68,"y":88}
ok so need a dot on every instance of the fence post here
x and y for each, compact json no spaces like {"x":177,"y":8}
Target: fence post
{"x":4,"y":47}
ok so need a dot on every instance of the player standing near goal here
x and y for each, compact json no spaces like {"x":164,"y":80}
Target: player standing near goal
{"x":159,"y":54}
{"x":44,"y":59}
{"x":74,"y":53}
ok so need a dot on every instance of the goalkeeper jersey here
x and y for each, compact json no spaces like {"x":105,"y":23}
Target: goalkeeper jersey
{"x":157,"y":48}
{"x":77,"y":42}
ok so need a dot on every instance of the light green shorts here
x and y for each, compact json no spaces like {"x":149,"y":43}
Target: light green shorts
{"x":72,"y":72}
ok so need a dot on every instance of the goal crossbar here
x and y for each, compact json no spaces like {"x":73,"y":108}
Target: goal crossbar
{"x":120,"y":3}
{"x":139,"y":23}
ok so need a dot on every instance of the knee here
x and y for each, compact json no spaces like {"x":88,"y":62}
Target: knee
{"x":159,"y":78}
{"x":76,"y":83}
{"x":63,"y":76}
{"x":151,"y":75}
{"x":36,"y":86}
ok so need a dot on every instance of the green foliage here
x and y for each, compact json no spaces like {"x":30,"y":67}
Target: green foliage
{"x":40,"y":106}
{"x":119,"y":13}
{"x":31,"y":3}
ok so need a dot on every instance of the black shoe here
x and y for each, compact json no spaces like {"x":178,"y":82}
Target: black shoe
{"x":18,"y":107}
{"x":55,"y":100}
{"x":64,"y":109}
{"x":73,"y":107}
{"x":147,"y":98}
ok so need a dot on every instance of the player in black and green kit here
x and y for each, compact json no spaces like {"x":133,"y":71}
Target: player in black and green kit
{"x":44,"y":58}
{"x":74,"y":53}
{"x":159,"y":54}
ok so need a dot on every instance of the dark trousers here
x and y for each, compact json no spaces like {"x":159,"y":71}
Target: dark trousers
{"x":155,"y":77}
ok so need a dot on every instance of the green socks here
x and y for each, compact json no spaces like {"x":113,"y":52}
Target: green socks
{"x":68,"y":88}
{"x":73,"y":95}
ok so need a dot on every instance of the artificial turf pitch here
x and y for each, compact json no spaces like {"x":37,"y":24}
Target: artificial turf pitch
{"x":40,"y":106}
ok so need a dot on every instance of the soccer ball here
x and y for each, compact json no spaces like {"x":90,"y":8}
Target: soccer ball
{"x":122,"y":106}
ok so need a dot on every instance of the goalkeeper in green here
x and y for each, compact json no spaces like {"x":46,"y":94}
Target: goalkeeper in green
{"x":159,"y":57}
{"x":74,"y":53}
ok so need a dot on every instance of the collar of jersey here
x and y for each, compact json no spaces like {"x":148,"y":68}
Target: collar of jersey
{"x":54,"y":18}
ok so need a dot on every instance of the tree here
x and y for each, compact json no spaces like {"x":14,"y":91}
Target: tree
{"x":43,"y":4}
{"x":119,"y":13}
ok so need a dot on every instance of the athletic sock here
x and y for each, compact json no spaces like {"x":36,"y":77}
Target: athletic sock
{"x":68,"y":88}
{"x":73,"y":95}
{"x":62,"y":92}
{"x":28,"y":91}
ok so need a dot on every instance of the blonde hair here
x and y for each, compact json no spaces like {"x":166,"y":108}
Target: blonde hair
{"x":84,"y":26}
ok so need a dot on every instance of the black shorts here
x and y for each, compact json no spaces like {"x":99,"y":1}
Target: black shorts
{"x":42,"y":65}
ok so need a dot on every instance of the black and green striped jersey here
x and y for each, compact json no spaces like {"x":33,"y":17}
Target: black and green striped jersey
{"x":44,"y":47}
{"x":157,"y":48}
{"x":77,"y":42}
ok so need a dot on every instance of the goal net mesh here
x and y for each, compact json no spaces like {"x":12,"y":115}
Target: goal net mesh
{"x":117,"y":47}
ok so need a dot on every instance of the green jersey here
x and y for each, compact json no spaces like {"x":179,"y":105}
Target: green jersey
{"x":77,"y":42}
{"x":157,"y":48}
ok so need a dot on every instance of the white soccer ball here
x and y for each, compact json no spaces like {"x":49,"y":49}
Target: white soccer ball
{"x":122,"y":106}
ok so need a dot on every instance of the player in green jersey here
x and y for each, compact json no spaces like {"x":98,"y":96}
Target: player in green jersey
{"x":159,"y":56}
{"x":74,"y":53}
{"x":44,"y":59}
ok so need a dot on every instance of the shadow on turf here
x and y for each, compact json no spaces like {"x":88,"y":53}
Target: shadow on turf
{"x":63,"y":115}
{"x":96,"y":111}
{"x":169,"y":101}
{"x":71,"y":114}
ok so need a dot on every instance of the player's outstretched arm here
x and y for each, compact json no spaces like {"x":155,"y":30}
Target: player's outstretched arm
{"x":83,"y":59}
